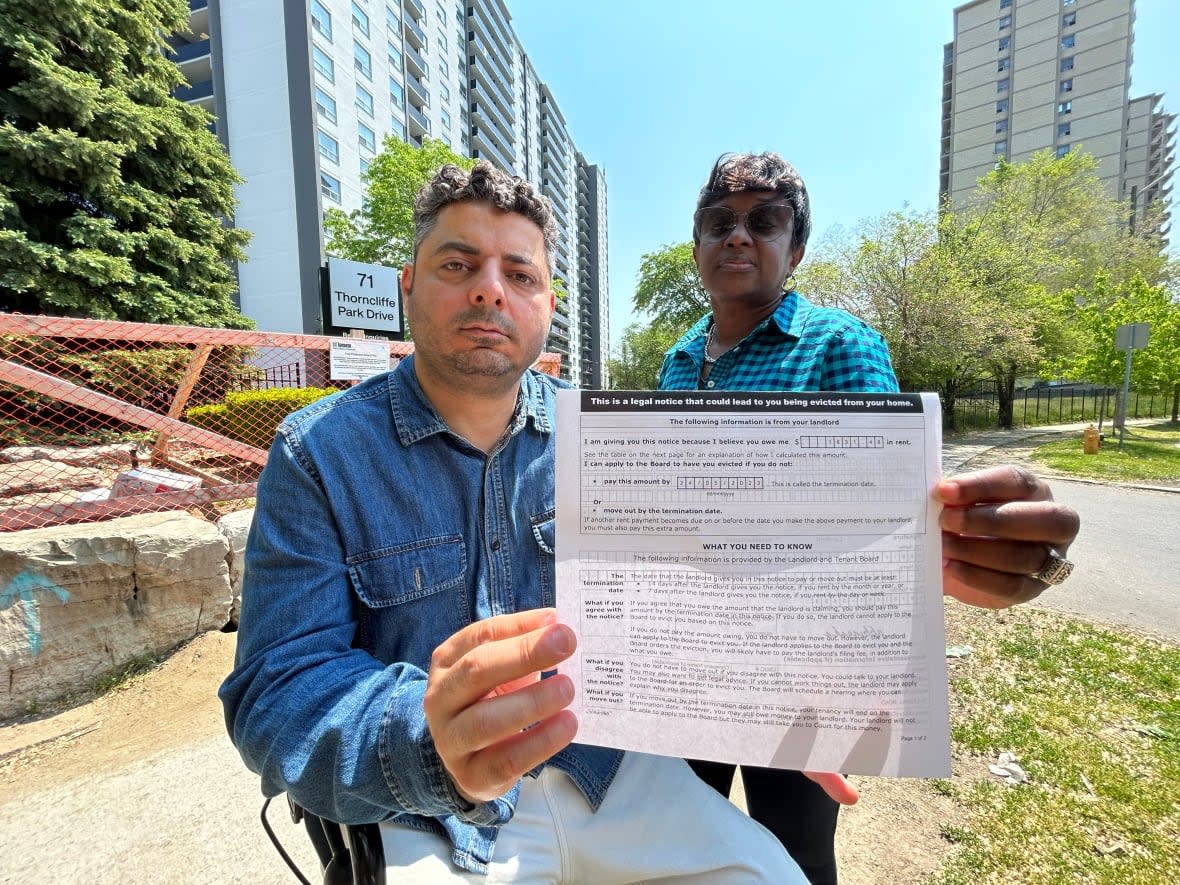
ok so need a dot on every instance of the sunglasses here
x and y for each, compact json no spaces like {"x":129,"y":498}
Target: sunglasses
{"x":765,"y":222}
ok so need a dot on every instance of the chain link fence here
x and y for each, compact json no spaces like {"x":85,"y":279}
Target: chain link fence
{"x":101,"y":419}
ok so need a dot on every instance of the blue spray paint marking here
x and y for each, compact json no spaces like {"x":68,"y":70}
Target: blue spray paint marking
{"x":20,"y":592}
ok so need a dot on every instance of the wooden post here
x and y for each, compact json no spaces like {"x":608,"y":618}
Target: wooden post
{"x":192,"y":373}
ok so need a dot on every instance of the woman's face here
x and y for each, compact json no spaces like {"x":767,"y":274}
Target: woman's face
{"x":740,"y":265}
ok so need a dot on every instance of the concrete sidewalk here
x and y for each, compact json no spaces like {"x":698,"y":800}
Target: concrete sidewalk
{"x":959,"y":449}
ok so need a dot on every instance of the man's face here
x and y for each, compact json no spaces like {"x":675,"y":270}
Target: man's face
{"x":478,"y":298}
{"x":739,"y":266}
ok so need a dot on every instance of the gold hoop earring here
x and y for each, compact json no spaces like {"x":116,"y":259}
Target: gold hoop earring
{"x":789,"y":282}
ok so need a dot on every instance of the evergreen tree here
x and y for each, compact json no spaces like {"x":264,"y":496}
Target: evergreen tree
{"x":114,"y":195}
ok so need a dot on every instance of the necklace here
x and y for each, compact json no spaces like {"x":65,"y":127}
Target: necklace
{"x":709,"y":360}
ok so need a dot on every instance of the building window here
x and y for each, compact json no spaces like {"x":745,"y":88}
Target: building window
{"x":329,"y":147}
{"x":364,"y":165}
{"x":1062,"y":130}
{"x":398,"y":128}
{"x":321,"y":19}
{"x":362,"y":60}
{"x":1067,"y":64}
{"x":446,"y":119}
{"x":443,"y":69}
{"x":1004,"y":44}
{"x":1005,"y":4}
{"x":1062,"y":150}
{"x":393,"y":20}
{"x":364,"y":100}
{"x":1002,"y":85}
{"x":1002,"y":106}
{"x":366,"y":138}
{"x":1064,"y":107}
{"x":1066,"y":85}
{"x":325,"y":105}
{"x":446,"y":140}
{"x":1068,"y":41}
{"x":396,"y":93}
{"x":442,"y":13}
{"x":1005,"y":22}
{"x":1069,"y":20}
{"x":442,"y":42}
{"x":1001,"y":146}
{"x":395,"y":57}
{"x":1068,"y":2}
{"x":360,"y":19}
{"x":1001,"y":126}
{"x":330,"y":187}
{"x":323,"y":64}
{"x":444,"y":92}
{"x":1003,"y":64}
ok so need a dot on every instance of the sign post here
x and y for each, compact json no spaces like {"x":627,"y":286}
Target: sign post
{"x":1129,"y":337}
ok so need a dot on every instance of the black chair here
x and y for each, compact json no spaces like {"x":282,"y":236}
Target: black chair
{"x":350,"y":854}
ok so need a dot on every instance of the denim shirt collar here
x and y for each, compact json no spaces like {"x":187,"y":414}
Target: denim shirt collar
{"x":415,"y":417}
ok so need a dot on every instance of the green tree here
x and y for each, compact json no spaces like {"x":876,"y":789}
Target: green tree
{"x":637,"y":360}
{"x":1096,"y":314}
{"x":669,"y":287}
{"x":1032,"y":231}
{"x":114,"y":195}
{"x":382,"y":232}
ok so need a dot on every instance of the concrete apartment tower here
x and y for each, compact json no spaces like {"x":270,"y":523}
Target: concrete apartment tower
{"x":1026,"y":75}
{"x":304,"y":92}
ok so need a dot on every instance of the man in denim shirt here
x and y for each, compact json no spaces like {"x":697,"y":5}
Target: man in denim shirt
{"x":397,"y":601}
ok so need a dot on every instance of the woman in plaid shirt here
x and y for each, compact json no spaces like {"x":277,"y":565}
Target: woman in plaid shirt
{"x":749,"y":234}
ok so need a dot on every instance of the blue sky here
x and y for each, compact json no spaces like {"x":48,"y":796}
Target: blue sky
{"x":654,"y":91}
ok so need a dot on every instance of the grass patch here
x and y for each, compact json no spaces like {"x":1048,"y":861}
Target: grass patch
{"x":1148,"y":453}
{"x":1093,"y":717}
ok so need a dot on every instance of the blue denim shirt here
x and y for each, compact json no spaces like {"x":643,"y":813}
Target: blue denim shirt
{"x":377,"y":534}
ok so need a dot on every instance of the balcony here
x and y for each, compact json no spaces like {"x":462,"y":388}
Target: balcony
{"x":489,"y":11}
{"x":416,"y":9}
{"x":197,"y":93}
{"x":415,"y":63}
{"x":414,"y":34}
{"x":485,"y":114}
{"x":419,"y":125}
{"x":489,"y":41}
{"x":493,"y":88}
{"x":189,"y":52}
{"x":488,"y":149}
{"x":418,"y":93}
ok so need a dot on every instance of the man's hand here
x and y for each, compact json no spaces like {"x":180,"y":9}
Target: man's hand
{"x":485,"y":689}
{"x":998,"y":526}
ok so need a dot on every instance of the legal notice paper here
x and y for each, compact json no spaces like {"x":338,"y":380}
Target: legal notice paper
{"x":755,"y":577}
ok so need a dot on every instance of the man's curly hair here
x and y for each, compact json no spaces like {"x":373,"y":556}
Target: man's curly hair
{"x":768,"y":172}
{"x":484,"y":184}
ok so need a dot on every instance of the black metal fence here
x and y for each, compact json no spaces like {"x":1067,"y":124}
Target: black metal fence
{"x":979,"y":406}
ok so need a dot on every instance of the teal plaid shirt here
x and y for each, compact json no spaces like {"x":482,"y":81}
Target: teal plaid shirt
{"x":799,"y":347}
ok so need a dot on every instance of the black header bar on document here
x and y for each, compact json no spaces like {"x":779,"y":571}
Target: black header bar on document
{"x":747,"y":401}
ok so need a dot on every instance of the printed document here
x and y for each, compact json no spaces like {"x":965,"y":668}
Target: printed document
{"x":755,"y":577}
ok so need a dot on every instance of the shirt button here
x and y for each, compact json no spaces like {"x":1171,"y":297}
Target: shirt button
{"x":495,"y":542}
{"x":711,"y":384}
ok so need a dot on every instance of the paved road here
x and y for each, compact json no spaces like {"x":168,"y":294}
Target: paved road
{"x":1127,"y":555}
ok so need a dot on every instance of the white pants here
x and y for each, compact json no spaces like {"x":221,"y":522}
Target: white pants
{"x":658,"y":823}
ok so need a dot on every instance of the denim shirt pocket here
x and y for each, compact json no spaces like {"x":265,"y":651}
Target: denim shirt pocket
{"x":415,"y":592}
{"x":545,"y":533}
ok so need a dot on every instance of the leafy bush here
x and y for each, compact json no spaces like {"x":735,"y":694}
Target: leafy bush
{"x":252,"y":416}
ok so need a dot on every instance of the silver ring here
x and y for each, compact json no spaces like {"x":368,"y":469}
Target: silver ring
{"x":1055,"y":570}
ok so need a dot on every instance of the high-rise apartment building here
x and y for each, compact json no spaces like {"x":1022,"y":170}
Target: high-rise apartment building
{"x":303,"y":95}
{"x":1026,"y":75}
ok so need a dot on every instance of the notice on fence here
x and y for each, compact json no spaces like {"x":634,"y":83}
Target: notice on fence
{"x":355,"y":359}
{"x":755,"y":577}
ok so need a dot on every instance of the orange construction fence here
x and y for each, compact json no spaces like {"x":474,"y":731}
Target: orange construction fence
{"x":101,"y":419}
